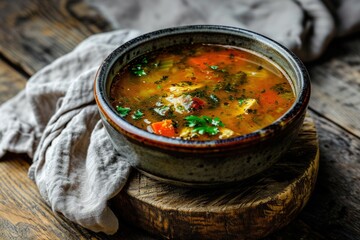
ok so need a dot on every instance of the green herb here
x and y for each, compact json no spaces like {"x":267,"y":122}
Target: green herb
{"x":137,"y":114}
{"x":162,"y":79}
{"x":238,"y":78}
{"x":138,"y":70}
{"x":180,"y":108}
{"x":214,"y":100}
{"x":217,"y":122}
{"x":204,"y":124}
{"x":217,"y":69}
{"x":242,"y":101}
{"x":233,"y":81}
{"x":123,"y":111}
{"x":200,"y":93}
{"x":144,"y":61}
{"x":280,"y":88}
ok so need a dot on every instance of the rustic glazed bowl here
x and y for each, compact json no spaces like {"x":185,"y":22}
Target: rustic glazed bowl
{"x":203,"y":163}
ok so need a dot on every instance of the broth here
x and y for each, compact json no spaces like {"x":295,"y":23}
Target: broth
{"x":201,"y":92}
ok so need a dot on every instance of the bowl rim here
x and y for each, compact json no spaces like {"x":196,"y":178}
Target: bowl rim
{"x":141,"y":136}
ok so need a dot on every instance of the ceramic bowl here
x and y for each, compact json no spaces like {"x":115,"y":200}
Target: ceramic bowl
{"x":203,"y":163}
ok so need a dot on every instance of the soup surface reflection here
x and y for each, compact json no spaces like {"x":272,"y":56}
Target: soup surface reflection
{"x":201,"y":92}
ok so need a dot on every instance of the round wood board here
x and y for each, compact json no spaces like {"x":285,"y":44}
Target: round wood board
{"x":250,"y":209}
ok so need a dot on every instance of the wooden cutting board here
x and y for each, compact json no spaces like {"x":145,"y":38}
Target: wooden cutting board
{"x":250,"y":209}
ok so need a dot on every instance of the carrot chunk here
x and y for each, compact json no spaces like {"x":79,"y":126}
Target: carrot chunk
{"x":269,"y":97}
{"x":206,"y":60}
{"x":164,"y":128}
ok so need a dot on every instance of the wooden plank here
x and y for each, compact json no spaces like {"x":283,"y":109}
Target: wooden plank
{"x":336,"y":85}
{"x":24,"y":214}
{"x":11,"y":82}
{"x":34,"y":32}
{"x":334,"y":209}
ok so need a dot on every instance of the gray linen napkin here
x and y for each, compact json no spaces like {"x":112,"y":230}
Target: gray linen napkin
{"x":305,"y":26}
{"x":56,"y":122}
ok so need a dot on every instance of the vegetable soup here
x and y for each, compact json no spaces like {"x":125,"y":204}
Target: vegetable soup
{"x":201,"y":92}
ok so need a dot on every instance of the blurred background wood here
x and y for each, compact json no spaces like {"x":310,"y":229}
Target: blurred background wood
{"x":33,"y":33}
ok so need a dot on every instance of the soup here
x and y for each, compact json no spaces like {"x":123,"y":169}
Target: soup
{"x":201,"y":92}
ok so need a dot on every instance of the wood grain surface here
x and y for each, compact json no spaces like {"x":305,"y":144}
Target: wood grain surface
{"x":11,"y":82}
{"x":33,"y":33}
{"x":21,"y":206}
{"x":250,"y":209}
{"x":24,"y":214}
{"x":336,"y":85}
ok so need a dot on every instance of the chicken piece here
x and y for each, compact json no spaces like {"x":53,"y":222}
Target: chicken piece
{"x":187,"y":133}
{"x":181,"y":104}
{"x":184,"y":87}
{"x":225,"y":133}
{"x":242,"y":106}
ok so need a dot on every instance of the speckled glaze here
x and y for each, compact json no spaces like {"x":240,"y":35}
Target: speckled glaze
{"x":203,"y":163}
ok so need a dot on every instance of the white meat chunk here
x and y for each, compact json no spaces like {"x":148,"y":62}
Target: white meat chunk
{"x":181,"y":104}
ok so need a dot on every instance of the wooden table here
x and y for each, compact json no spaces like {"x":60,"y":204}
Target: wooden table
{"x":32,"y":35}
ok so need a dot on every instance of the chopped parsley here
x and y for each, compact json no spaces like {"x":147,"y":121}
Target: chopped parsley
{"x":144,"y":60}
{"x":217,"y":69}
{"x":138,"y":69}
{"x":123,"y":111}
{"x":213,"y":101}
{"x":232,"y":81}
{"x":242,"y":101}
{"x":200,"y":93}
{"x":204,"y":124}
{"x":137,"y":114}
{"x":280,"y":88}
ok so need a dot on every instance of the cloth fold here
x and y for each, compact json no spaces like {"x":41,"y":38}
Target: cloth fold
{"x":56,"y":122}
{"x":305,"y":26}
